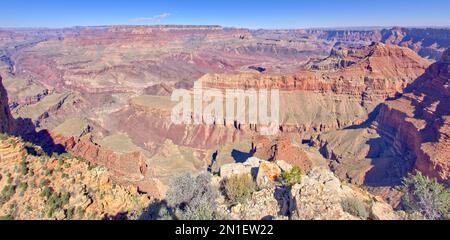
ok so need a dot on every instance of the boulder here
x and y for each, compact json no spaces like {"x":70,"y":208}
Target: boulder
{"x":382,"y":211}
{"x":320,"y":195}
{"x":248,"y":167}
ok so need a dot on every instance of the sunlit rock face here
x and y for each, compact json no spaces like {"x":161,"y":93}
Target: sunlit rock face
{"x":419,"y":121}
{"x":104,"y":94}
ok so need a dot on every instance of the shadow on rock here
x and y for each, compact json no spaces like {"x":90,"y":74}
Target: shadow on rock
{"x":158,"y":210}
{"x":26,"y":129}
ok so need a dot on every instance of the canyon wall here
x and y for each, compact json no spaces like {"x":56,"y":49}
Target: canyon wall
{"x":6,"y":121}
{"x":419,"y":121}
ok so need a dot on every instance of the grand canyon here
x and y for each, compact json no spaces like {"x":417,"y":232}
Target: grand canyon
{"x":85,"y":117}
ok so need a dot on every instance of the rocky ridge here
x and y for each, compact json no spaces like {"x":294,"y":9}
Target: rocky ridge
{"x":36,"y":187}
{"x":405,"y":134}
{"x":319,"y":195}
{"x":422,"y":115}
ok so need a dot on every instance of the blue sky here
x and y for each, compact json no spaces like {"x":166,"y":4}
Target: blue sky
{"x":229,"y":13}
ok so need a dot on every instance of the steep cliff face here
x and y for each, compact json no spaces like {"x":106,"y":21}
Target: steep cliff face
{"x":419,"y":121}
{"x":339,"y":92}
{"x":429,"y":42}
{"x":326,"y":100}
{"x":376,"y":71}
{"x":87,"y":192}
{"x":6,"y":121}
{"x":410,"y":132}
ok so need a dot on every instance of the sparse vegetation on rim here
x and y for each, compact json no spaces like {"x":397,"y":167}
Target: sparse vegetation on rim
{"x":355,"y":207}
{"x":193,"y":198}
{"x":292,"y":177}
{"x":239,"y":188}
{"x":426,"y":196}
{"x":44,"y":180}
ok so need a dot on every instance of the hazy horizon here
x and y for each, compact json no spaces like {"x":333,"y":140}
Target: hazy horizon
{"x":355,"y":28}
{"x":252,"y":14}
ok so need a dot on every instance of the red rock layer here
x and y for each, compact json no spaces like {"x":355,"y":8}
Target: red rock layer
{"x":384,"y":71}
{"x":281,"y":149}
{"x":151,"y":126}
{"x":127,"y":168}
{"x":127,"y":36}
{"x":419,"y":121}
{"x":130,"y":167}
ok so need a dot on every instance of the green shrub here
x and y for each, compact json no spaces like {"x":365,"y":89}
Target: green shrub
{"x":44,"y":182}
{"x":8,"y":217}
{"x":292,"y":177}
{"x":46,"y":192}
{"x":48,"y":172}
{"x":3,"y":136}
{"x":80,"y":212}
{"x":23,"y":167}
{"x":192,"y":192}
{"x":12,"y":142}
{"x":7,"y":192}
{"x":69,"y":213}
{"x":355,"y":207}
{"x":23,"y":186}
{"x":239,"y":188}
{"x":90,"y":166}
{"x":9,"y":178}
{"x":426,"y":196}
{"x":65,"y":198}
{"x":56,"y":202}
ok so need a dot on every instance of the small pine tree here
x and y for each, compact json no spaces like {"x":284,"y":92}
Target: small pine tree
{"x":426,"y":196}
{"x":293,"y":176}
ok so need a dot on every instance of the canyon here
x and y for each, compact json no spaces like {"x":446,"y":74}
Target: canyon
{"x":370,"y":105}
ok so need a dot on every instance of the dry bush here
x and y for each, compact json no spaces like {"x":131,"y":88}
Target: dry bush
{"x":239,"y":188}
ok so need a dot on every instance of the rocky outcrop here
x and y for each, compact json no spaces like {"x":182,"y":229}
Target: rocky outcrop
{"x":319,"y":196}
{"x":6,"y":120}
{"x":405,"y":134}
{"x":250,"y":166}
{"x":125,"y":168}
{"x":267,"y":204}
{"x":381,"y":68}
{"x":419,"y":122}
{"x":159,"y":90}
{"x":427,"y":42}
{"x":130,"y":167}
{"x":351,"y":91}
{"x":281,"y":148}
{"x":149,"y":122}
{"x":60,"y":187}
